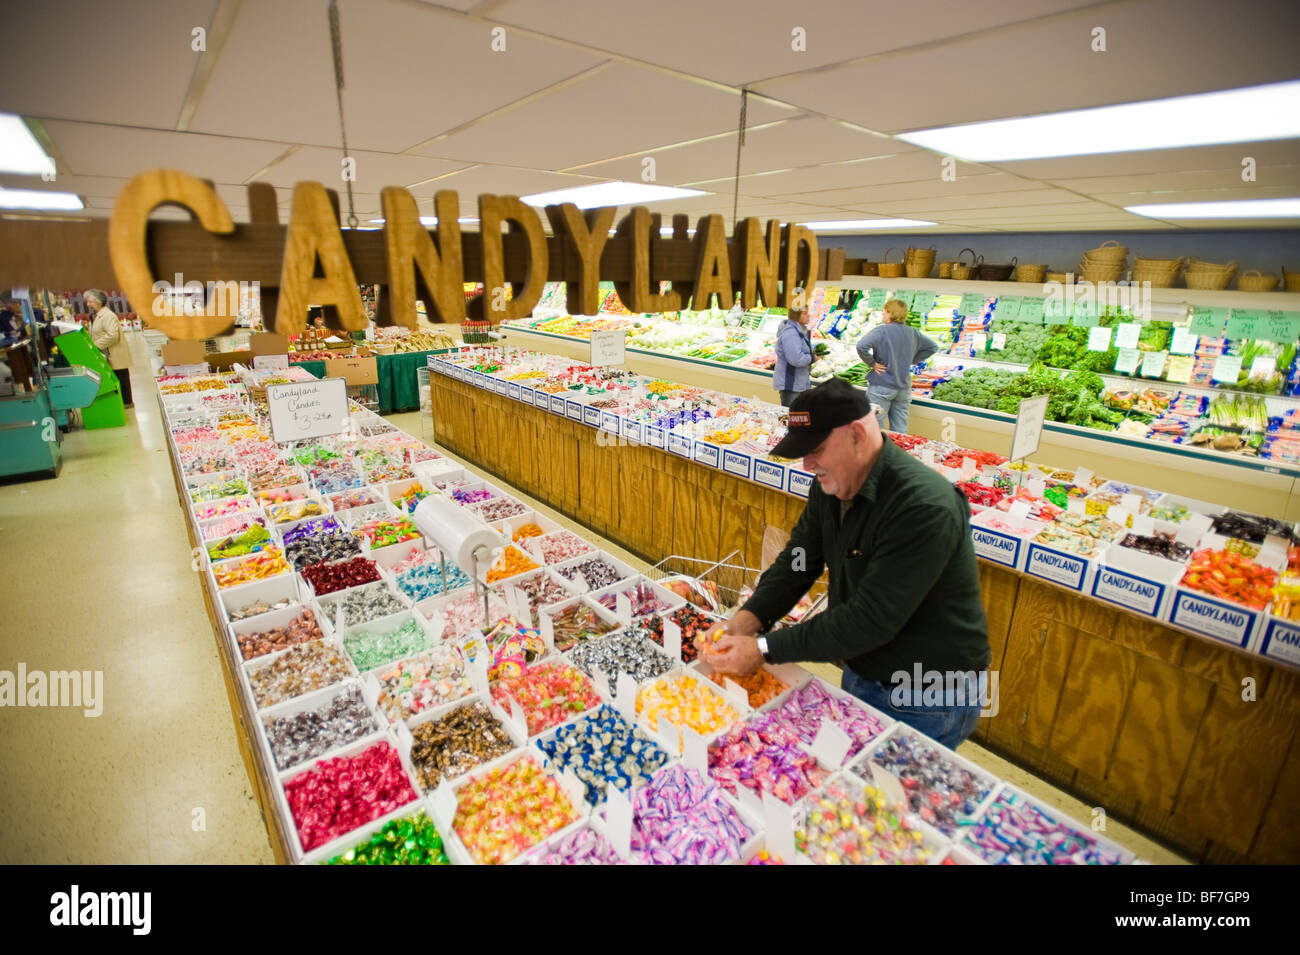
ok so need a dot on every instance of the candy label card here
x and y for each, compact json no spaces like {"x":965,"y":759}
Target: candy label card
{"x":778,"y":819}
{"x":695,"y":754}
{"x":1229,"y":622}
{"x":673,"y":639}
{"x":591,"y":417}
{"x":618,"y":822}
{"x":733,"y":462}
{"x":1056,"y":566}
{"x":770,"y":474}
{"x":624,"y":610}
{"x":625,"y":696}
{"x":308,"y":409}
{"x":831,"y":745}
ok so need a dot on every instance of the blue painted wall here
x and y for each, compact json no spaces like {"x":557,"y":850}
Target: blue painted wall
{"x":1267,"y":251}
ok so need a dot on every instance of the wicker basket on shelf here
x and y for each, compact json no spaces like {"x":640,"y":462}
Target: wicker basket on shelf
{"x":869,"y":268}
{"x":962,"y":271}
{"x":1059,"y":277}
{"x":945,"y":270}
{"x":919,"y":262}
{"x":1291,"y":280}
{"x":1160,"y":273}
{"x":1252,"y":280}
{"x":1208,"y":276}
{"x":1109,"y":252}
{"x":1030,"y":273}
{"x":890,"y":270}
{"x":995,"y":273}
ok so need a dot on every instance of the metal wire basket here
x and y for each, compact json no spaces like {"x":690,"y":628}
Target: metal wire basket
{"x":727,"y":581}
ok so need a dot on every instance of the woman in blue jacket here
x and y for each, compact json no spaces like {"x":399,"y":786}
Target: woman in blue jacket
{"x":794,"y":355}
{"x":890,"y":350}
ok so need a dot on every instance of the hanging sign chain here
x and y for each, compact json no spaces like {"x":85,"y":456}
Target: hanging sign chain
{"x":740,"y":141}
{"x":336,"y":42}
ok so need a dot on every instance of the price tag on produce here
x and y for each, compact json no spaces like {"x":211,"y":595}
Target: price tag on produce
{"x":972,"y":305}
{"x":1153,"y":364}
{"x":1126,"y":335}
{"x":1055,"y":312}
{"x":999,"y":341}
{"x":1008,"y":307}
{"x":1085,"y":315}
{"x":673,"y":639}
{"x":876,"y":299}
{"x":1098,"y":339}
{"x":1180,"y":369}
{"x":922,"y":302}
{"x":979,"y":342}
{"x":1208,"y":322}
{"x":618,"y":821}
{"x":1263,"y":367}
{"x":1184,"y":342}
{"x":1127,"y":361}
{"x":1227,"y":368}
{"x":905,"y":297}
{"x":1031,"y":311}
{"x":1244,"y":323}
{"x":1281,"y":327}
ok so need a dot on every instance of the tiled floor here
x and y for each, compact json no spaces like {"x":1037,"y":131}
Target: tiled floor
{"x":97,"y":577}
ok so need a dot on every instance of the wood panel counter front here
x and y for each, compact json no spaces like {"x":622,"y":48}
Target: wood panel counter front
{"x":1192,"y":741}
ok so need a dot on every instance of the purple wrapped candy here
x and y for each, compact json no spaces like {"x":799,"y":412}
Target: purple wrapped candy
{"x":764,"y":755}
{"x":311,"y":528}
{"x":682,"y":819}
{"x":583,"y":847}
{"x":471,"y":497}
{"x":804,"y":710}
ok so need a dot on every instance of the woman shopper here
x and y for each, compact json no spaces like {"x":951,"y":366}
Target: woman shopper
{"x":106,"y":333}
{"x":890,"y":350}
{"x":794,"y":352}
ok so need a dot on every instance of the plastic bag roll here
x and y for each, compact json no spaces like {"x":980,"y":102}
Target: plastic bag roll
{"x":456,"y":532}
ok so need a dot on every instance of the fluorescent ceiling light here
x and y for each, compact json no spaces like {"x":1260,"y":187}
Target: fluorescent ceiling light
{"x":610,"y":194}
{"x":1229,"y":209}
{"x":429,"y":220}
{"x":835,"y":225}
{"x":38,"y":199}
{"x":1253,"y":114}
{"x":19,"y":150}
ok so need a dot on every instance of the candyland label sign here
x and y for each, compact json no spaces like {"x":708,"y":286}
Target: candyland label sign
{"x":513,"y":390}
{"x":591,"y":416}
{"x":706,"y":453}
{"x":798,"y":482}
{"x":609,"y":422}
{"x":1000,"y":548}
{"x":1056,"y":566}
{"x":632,"y":430}
{"x":733,"y":462}
{"x":1128,"y":590}
{"x":1281,"y":641}
{"x":770,"y":474}
{"x":679,"y":444}
{"x":1215,"y":618}
{"x":573,"y":410}
{"x":654,"y":435}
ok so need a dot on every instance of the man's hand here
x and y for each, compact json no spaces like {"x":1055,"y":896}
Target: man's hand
{"x":741,"y":622}
{"x":735,"y":654}
{"x":880,"y":369}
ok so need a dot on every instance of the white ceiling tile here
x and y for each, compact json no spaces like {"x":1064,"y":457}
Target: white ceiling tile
{"x":95,"y":149}
{"x":1158,"y":161}
{"x":864,"y":196}
{"x":618,"y":110}
{"x":910,"y":165}
{"x":1155,"y":48}
{"x":374,"y":171}
{"x":127,"y":63}
{"x":501,"y":181}
{"x":1018,"y":197}
{"x":704,"y":38}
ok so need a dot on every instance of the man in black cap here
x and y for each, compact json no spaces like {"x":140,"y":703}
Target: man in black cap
{"x":905,"y":608}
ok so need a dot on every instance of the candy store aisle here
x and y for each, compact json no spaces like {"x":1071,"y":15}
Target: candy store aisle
{"x":97,"y":577}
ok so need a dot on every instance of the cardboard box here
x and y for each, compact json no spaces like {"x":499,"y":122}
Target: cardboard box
{"x":184,"y":353}
{"x":1007,"y":548}
{"x":224,"y":361}
{"x":268,"y":343}
{"x":1059,"y":566}
{"x":354,"y":371}
{"x":1136,"y":581}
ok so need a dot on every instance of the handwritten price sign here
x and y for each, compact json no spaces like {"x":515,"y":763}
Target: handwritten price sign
{"x":307,"y":409}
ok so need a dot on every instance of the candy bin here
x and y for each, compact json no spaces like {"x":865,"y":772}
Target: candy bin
{"x":443,"y":744}
{"x":1018,"y":830}
{"x":847,"y":822}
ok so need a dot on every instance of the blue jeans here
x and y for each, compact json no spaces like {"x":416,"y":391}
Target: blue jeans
{"x":895,"y":405}
{"x":788,"y":396}
{"x":948,"y":725}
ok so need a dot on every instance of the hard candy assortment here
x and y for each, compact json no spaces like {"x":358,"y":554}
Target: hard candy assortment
{"x":684,"y":701}
{"x":335,"y":480}
{"x":329,"y":578}
{"x":548,"y":694}
{"x":420,"y":683}
{"x":804,"y":709}
{"x":426,"y":580}
{"x":500,"y":509}
{"x":765,"y":755}
{"x":849,"y":823}
{"x":410,"y":499}
{"x":510,"y":809}
{"x":373,"y":648}
{"x":525,"y":531}
{"x":626,"y":651}
{"x":596,"y":571}
{"x":322,"y":549}
{"x":344,"y":719}
{"x":299,"y":670}
{"x":461,"y":496}
{"x":219,"y":489}
{"x":541,"y":590}
{"x":762,"y":686}
{"x":512,"y":646}
{"x":257,"y":607}
{"x":386,"y":532}
{"x":302,"y":629}
{"x":512,"y":562}
{"x":583,"y":846}
{"x":221,"y":508}
{"x":693,"y":624}
{"x":412,"y":840}
{"x":1014,"y":831}
{"x":339,"y":795}
{"x":641,"y":596}
{"x":346,"y":500}
{"x":576,"y":623}
{"x":453,"y":744}
{"x":680,"y":818}
{"x":462,"y":614}
{"x":250,"y":541}
{"x":602,"y":749}
{"x":561,"y":545}
{"x":363,"y":604}
{"x":267,"y":563}
{"x":939,"y":789}
{"x":313,"y":527}
{"x":294,"y":510}
{"x":274,"y":477}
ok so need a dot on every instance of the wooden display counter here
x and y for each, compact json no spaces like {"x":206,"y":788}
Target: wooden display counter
{"x":1192,"y":741}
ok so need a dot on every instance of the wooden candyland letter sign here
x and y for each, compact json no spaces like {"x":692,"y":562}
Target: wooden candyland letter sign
{"x":320,"y":264}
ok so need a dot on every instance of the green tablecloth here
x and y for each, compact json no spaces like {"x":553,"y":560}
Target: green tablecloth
{"x":399,"y":388}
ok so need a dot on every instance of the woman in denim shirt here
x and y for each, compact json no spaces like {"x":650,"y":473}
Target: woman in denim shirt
{"x":794,"y":355}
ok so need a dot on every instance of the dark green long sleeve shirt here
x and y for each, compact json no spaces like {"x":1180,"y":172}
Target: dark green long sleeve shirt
{"x":904,"y":586}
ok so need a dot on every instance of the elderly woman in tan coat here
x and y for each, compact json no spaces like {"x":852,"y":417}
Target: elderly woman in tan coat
{"x":106,"y":333}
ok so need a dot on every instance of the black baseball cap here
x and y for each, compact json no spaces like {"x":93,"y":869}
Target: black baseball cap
{"x":815,"y":413}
